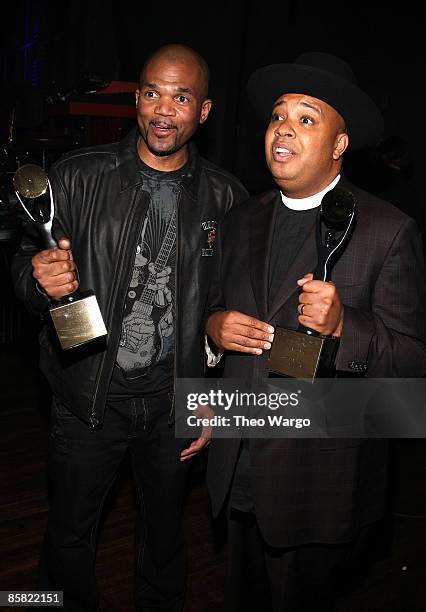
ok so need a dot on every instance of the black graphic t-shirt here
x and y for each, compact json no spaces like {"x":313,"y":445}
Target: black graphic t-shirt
{"x":145,"y":358}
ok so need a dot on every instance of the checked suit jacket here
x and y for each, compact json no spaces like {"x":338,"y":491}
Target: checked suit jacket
{"x":321,"y":490}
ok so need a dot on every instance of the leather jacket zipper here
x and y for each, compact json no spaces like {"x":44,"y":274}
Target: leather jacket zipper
{"x":94,"y":421}
{"x":172,"y":408}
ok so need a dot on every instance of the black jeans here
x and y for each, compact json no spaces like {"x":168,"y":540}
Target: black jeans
{"x":82,"y":467}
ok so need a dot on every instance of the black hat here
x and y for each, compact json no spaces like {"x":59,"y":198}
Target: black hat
{"x":328,"y":78}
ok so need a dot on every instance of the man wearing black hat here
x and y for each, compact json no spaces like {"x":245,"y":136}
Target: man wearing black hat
{"x":297,"y":506}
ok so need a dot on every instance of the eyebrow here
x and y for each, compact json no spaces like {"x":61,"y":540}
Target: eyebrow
{"x":312,"y":107}
{"x":178,"y":88}
{"x":307,"y":104}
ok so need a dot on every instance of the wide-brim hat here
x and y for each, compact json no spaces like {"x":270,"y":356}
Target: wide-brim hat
{"x":328,"y":78}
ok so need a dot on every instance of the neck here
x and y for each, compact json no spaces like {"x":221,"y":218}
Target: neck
{"x":297,"y":189}
{"x":307,"y":191}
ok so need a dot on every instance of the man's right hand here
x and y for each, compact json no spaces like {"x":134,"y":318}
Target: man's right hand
{"x":235,"y":331}
{"x":54,"y":270}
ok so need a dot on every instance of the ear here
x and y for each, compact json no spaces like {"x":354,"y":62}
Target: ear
{"x":342,"y":143}
{"x":137,"y":97}
{"x":205,"y":109}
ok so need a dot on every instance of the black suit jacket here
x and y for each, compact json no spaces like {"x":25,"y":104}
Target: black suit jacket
{"x":322,"y":490}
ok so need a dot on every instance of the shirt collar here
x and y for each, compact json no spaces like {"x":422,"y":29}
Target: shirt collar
{"x":312,"y":201}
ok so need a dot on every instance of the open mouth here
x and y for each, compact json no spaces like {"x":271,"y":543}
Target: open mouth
{"x":281,"y":153}
{"x":162,"y":128}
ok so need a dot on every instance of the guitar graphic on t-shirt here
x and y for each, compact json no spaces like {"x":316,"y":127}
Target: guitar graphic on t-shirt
{"x":135,"y":357}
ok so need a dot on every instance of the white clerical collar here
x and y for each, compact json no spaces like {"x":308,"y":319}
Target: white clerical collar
{"x":312,"y":201}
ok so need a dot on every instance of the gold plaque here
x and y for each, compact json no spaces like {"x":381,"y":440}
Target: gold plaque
{"x":78,"y":322}
{"x":299,"y":355}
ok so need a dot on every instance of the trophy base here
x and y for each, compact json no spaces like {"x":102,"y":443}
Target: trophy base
{"x":78,"y":322}
{"x":298,"y":355}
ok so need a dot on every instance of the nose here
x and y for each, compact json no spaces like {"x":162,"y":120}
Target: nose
{"x":164,"y":107}
{"x":285,"y":128}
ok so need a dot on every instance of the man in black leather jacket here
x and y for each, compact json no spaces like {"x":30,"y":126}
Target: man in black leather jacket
{"x":140,"y":217}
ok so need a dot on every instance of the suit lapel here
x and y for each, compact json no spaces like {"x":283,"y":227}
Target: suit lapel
{"x":261,"y":233}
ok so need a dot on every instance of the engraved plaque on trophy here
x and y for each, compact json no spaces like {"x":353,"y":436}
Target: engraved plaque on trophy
{"x":76,"y":317}
{"x":304,"y":353}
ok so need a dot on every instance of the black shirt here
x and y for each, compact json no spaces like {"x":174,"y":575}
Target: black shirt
{"x":145,"y":357}
{"x":292,"y":227}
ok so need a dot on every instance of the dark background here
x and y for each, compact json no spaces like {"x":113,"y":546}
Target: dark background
{"x":50,"y":47}
{"x":56,"y":52}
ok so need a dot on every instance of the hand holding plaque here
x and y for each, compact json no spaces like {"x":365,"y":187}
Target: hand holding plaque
{"x":76,"y":317}
{"x":305,"y":353}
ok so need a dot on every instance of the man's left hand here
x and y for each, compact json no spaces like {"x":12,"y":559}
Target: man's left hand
{"x":197,"y":445}
{"x":205,"y":438}
{"x":321,"y":306}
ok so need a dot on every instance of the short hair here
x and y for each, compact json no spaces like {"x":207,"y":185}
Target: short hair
{"x":176,"y":51}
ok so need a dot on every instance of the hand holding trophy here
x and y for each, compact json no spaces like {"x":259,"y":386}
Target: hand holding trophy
{"x":305,"y":353}
{"x":76,"y":317}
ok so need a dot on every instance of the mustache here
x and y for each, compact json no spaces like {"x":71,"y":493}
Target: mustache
{"x":163,"y":124}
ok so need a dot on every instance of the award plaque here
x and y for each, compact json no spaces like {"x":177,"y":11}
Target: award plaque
{"x":76,"y":317}
{"x":304,"y":353}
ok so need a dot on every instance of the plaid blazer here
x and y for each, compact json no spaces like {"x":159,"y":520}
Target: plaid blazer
{"x":322,"y":490}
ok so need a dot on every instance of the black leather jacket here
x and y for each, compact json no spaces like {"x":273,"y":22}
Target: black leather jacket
{"x":100,"y":205}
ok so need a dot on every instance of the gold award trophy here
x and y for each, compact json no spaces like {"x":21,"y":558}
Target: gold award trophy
{"x":76,"y":317}
{"x":305,"y":353}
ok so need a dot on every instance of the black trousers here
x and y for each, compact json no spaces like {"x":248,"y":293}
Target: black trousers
{"x":82,"y":467}
{"x":263,"y":577}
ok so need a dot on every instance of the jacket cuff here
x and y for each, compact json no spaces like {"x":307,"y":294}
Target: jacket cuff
{"x":212,"y":358}
{"x":358,"y":332}
{"x":36,"y":300}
